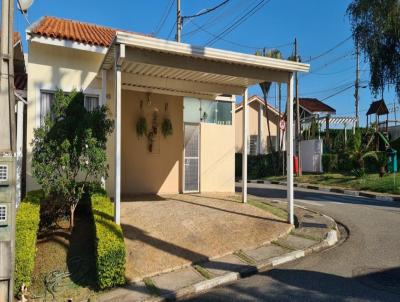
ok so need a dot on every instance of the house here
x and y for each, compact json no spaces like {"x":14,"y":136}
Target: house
{"x":258,"y":142}
{"x":312,"y":107}
{"x":141,"y":76}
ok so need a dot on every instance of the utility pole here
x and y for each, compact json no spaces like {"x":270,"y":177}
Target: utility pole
{"x":357,"y":83}
{"x":7,"y":153}
{"x":298,"y":126}
{"x":178,"y":21}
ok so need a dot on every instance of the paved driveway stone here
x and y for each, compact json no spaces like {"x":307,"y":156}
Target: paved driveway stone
{"x":164,"y":233}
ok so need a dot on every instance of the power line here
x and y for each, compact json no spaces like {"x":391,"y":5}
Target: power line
{"x":238,"y":21}
{"x":329,"y":50}
{"x":164,"y":17}
{"x":239,"y":44}
{"x":218,"y":17}
{"x":343,"y":90}
{"x":329,"y":63}
{"x":170,"y":32}
{"x":209,"y":10}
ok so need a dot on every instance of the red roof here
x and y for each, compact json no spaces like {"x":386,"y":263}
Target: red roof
{"x":77,"y":31}
{"x":314,"y":105}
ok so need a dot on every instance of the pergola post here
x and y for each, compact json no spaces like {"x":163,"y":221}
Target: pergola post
{"x":120,"y":54}
{"x":245,"y":129}
{"x":289,"y":149}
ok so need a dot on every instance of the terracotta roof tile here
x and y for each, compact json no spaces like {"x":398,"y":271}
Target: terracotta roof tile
{"x":315,"y":105}
{"x":77,"y":31}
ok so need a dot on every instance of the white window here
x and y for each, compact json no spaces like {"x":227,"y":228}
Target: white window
{"x":253,"y":144}
{"x":91,"y":102}
{"x":3,"y":213}
{"x":3,"y":173}
{"x":46,"y":101}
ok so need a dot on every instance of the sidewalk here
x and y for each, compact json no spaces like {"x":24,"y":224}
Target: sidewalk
{"x":314,"y":233}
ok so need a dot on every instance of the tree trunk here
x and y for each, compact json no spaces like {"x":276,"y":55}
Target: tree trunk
{"x":269,"y":133}
{"x":72,"y":216}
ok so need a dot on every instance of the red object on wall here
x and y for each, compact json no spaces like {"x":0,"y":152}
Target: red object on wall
{"x":295,"y":165}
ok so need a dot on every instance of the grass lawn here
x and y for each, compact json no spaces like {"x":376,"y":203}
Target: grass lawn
{"x":389,"y":183}
{"x":64,"y":263}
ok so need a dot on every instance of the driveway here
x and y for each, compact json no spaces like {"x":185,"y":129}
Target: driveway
{"x":164,"y":233}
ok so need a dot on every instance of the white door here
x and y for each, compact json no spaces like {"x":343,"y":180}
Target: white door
{"x":191,"y":158}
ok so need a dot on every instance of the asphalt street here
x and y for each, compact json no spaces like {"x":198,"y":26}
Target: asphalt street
{"x":365,"y":266}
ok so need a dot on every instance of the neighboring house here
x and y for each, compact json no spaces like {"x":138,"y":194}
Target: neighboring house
{"x":312,"y":107}
{"x":137,"y":75}
{"x":258,"y":141}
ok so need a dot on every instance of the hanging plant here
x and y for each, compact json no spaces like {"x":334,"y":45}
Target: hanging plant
{"x":166,"y":127}
{"x":141,"y":126}
{"x":150,"y":141}
{"x":154,"y":125}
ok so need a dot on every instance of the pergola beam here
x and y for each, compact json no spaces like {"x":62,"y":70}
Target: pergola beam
{"x":161,"y":83}
{"x":254,"y":75}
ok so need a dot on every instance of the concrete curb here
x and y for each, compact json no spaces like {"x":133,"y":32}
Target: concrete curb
{"x":331,"y":238}
{"x":331,"y":190}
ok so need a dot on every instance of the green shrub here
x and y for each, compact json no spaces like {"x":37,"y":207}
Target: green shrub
{"x":259,"y":166}
{"x":371,"y":163}
{"x":109,"y":243}
{"x":27,"y":221}
{"x":345,"y":163}
{"x":330,"y":162}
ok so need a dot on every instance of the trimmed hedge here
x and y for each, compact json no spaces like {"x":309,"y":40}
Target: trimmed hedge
{"x":27,"y":221}
{"x":329,"y":162}
{"x":109,"y":243}
{"x":259,"y":166}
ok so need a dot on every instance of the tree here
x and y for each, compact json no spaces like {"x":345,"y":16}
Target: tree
{"x":376,"y":28}
{"x":265,"y":87}
{"x":69,"y":148}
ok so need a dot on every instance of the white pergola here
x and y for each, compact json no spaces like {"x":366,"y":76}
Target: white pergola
{"x":147,"y":64}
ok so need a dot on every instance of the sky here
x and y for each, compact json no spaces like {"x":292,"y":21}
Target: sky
{"x":318,"y":26}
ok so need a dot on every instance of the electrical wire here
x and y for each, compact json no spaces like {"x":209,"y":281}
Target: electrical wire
{"x":328,"y":51}
{"x":239,"y":44}
{"x":209,"y":10}
{"x":218,"y":17}
{"x":170,"y":32}
{"x":164,"y":18}
{"x":323,"y":66}
{"x":238,"y":22}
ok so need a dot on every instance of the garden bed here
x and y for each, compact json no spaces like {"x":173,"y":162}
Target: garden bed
{"x":389,"y":183}
{"x":65,"y":266}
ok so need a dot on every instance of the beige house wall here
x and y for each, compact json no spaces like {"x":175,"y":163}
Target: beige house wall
{"x":158,"y":171}
{"x":51,"y":67}
{"x":253,"y":126}
{"x":217,"y":158}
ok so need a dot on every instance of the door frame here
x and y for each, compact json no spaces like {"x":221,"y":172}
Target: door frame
{"x":183,"y":159}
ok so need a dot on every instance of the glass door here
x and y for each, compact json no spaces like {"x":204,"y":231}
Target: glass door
{"x":191,"y":158}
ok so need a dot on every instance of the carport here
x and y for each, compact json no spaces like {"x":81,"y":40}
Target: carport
{"x":151,"y":65}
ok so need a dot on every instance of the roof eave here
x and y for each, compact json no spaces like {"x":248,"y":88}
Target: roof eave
{"x":183,"y":49}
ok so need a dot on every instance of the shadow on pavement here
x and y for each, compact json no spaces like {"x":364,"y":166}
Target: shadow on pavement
{"x":301,"y":285}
